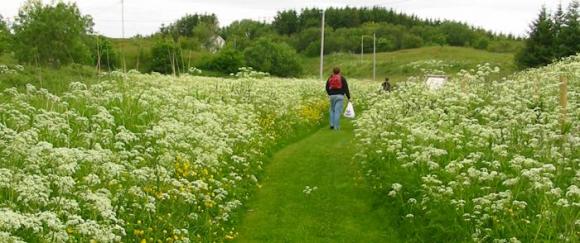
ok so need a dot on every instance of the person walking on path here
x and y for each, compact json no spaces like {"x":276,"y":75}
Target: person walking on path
{"x":386,"y":85}
{"x":336,"y":88}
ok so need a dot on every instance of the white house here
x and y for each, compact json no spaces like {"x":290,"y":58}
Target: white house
{"x":217,"y":43}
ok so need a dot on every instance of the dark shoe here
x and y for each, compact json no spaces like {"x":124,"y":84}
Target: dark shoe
{"x":331,"y":127}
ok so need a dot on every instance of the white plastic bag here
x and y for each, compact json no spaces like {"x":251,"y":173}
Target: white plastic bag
{"x":349,"y":112}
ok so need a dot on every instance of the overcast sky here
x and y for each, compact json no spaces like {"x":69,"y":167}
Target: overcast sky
{"x":146,"y":16}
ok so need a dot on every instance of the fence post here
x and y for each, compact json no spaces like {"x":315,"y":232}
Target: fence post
{"x":563,"y":98}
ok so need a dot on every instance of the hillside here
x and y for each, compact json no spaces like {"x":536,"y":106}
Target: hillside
{"x":401,"y":64}
{"x":397,"y":65}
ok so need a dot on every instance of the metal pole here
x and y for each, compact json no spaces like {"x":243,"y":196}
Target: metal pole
{"x":322,"y":46}
{"x":374,"y":56}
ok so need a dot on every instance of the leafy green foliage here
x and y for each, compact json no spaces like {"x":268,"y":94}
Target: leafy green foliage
{"x":286,"y":22}
{"x":4,"y":36}
{"x":185,"y":26}
{"x":104,"y":54}
{"x":227,"y":61}
{"x":481,"y":43}
{"x":189,"y":43}
{"x":551,"y":37}
{"x":166,"y":57}
{"x":539,"y":47}
{"x":51,"y":34}
{"x":275,"y":58}
{"x":306,"y":38}
{"x":204,"y":34}
{"x":569,"y":35}
{"x":411,"y":41}
{"x":457,"y":34}
{"x":345,"y":26}
{"x":241,"y":34}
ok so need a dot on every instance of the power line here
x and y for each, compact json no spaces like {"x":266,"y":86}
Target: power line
{"x":136,"y":21}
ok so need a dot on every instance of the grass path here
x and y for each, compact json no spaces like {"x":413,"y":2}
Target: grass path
{"x":340,"y":210}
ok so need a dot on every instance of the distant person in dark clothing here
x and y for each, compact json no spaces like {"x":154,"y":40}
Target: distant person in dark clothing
{"x":386,"y":85}
{"x":336,"y":88}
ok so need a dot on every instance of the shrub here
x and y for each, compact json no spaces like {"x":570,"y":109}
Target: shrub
{"x":4,"y":36}
{"x":53,"y":35}
{"x":278,"y":59}
{"x":166,"y":57}
{"x":411,"y":41}
{"x":105,"y":54}
{"x":481,"y":43}
{"x":226,"y":61}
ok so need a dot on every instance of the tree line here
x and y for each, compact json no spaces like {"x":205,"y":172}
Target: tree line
{"x":58,"y":34}
{"x":394,"y":31}
{"x":299,"y":32}
{"x":552,"y":36}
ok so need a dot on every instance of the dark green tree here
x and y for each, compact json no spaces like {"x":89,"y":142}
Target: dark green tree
{"x":306,"y":38}
{"x":539,"y":49}
{"x":276,"y":58}
{"x":387,"y":43}
{"x":401,"y":29}
{"x":5,"y":36}
{"x":52,"y":34}
{"x":184,"y":27}
{"x":481,"y":43}
{"x":342,"y":18}
{"x":286,"y":22}
{"x":411,"y":41}
{"x":568,"y":38}
{"x":558,"y":19}
{"x":166,"y":57}
{"x":104,"y":54}
{"x":240,"y":34}
{"x":457,"y":34}
{"x":310,"y":17}
{"x":227,"y":61}
{"x":204,"y":33}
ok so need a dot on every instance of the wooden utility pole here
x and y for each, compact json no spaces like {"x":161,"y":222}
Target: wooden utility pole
{"x":374,"y":57}
{"x":322,"y":46}
{"x":563,"y":98}
{"x":98,"y":56}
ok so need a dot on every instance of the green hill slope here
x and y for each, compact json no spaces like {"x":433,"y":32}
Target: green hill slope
{"x":401,"y":64}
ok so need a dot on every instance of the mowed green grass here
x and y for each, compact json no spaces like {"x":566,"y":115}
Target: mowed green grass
{"x":396,"y":64}
{"x":340,"y":210}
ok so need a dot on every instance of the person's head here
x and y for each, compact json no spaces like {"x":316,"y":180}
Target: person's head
{"x":336,"y":70}
{"x":386,"y":79}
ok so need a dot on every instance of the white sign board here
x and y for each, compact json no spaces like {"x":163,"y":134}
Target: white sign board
{"x":435,"y":82}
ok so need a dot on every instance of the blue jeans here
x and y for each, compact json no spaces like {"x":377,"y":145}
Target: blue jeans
{"x":336,"y":102}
